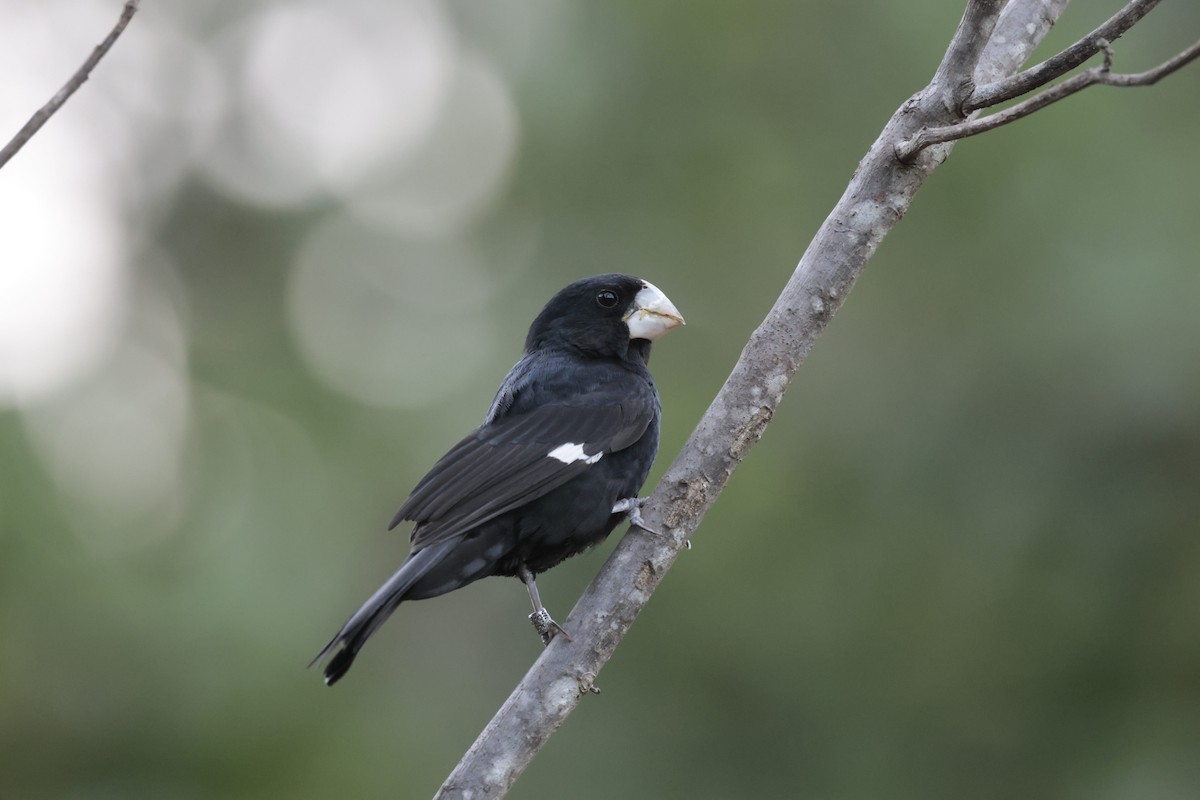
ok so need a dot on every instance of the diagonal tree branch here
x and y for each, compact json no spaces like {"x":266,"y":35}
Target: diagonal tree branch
{"x":1060,"y":64}
{"x":1097,"y":75}
{"x":78,"y":79}
{"x":875,"y":200}
{"x":1018,"y":33}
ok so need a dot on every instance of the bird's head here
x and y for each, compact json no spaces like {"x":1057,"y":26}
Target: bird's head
{"x":602,"y":314}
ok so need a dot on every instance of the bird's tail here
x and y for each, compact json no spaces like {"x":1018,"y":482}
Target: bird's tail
{"x":375,"y":611}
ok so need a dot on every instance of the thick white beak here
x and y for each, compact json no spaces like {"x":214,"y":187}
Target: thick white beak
{"x":651,"y":314}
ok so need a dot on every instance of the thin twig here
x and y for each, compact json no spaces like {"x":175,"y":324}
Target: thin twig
{"x":1061,"y":63}
{"x":1096,"y":75}
{"x":78,"y":79}
{"x":1153,"y":76}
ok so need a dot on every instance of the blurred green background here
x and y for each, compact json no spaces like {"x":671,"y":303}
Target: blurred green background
{"x":274,"y":259}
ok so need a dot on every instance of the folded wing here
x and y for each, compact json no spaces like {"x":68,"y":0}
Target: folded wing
{"x":511,"y":462}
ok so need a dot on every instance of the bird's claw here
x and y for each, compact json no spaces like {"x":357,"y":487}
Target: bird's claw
{"x":546,"y":627}
{"x":632,"y":508}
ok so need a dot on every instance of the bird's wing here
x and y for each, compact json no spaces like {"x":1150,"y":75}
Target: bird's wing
{"x":511,"y":462}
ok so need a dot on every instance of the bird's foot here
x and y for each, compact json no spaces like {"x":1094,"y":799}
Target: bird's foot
{"x":546,"y":627}
{"x":631,"y":507}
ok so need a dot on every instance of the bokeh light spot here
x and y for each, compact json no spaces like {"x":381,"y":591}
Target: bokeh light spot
{"x":326,"y":94}
{"x":386,"y":320}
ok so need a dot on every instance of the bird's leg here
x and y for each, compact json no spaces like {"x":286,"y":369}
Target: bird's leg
{"x":543,"y":623}
{"x":631,"y":507}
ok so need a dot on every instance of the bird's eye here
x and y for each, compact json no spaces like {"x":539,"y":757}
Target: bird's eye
{"x":607,"y":298}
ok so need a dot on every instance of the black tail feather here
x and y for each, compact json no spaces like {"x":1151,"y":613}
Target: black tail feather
{"x":375,"y":611}
{"x":339,"y":665}
{"x":354,"y":634}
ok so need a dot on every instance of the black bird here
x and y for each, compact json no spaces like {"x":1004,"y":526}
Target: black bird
{"x":556,"y":465}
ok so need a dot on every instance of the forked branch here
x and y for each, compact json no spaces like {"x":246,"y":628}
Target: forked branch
{"x":1096,"y":75}
{"x":876,"y":198}
{"x":874,"y":201}
{"x":1060,"y":64}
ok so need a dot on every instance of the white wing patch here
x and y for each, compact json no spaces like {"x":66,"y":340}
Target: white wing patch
{"x":570,"y":452}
